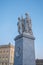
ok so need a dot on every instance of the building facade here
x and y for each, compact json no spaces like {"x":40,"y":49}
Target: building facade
{"x":6,"y":54}
{"x":39,"y":62}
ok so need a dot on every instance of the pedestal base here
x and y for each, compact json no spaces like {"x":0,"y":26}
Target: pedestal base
{"x":24,"y":50}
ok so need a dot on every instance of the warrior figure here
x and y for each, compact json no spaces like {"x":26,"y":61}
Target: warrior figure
{"x":24,"y":25}
{"x":28,"y":25}
{"x":20,"y":25}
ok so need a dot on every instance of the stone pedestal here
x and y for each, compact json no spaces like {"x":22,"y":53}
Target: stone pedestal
{"x":24,"y":50}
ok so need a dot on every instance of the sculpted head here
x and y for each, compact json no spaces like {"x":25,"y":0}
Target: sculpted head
{"x":18,"y":18}
{"x":26,"y":14}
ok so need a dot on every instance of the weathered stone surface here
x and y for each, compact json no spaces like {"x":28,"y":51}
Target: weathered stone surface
{"x":24,"y":43}
{"x":24,"y":25}
{"x":24,"y":50}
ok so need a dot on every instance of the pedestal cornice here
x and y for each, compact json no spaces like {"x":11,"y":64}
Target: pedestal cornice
{"x":26,"y":35}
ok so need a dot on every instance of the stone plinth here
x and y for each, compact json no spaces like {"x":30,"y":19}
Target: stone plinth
{"x":24,"y":50}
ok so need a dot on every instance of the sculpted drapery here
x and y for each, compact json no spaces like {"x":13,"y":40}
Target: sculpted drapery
{"x":24,"y":25}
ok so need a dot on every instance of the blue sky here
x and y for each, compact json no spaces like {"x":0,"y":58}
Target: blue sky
{"x":10,"y":10}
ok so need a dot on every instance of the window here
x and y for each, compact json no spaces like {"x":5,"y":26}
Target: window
{"x":3,"y":58}
{"x":0,"y":58}
{"x":0,"y":51}
{"x":0,"y":63}
{"x":6,"y":58}
{"x":5,"y":63}
{"x":4,"y":51}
